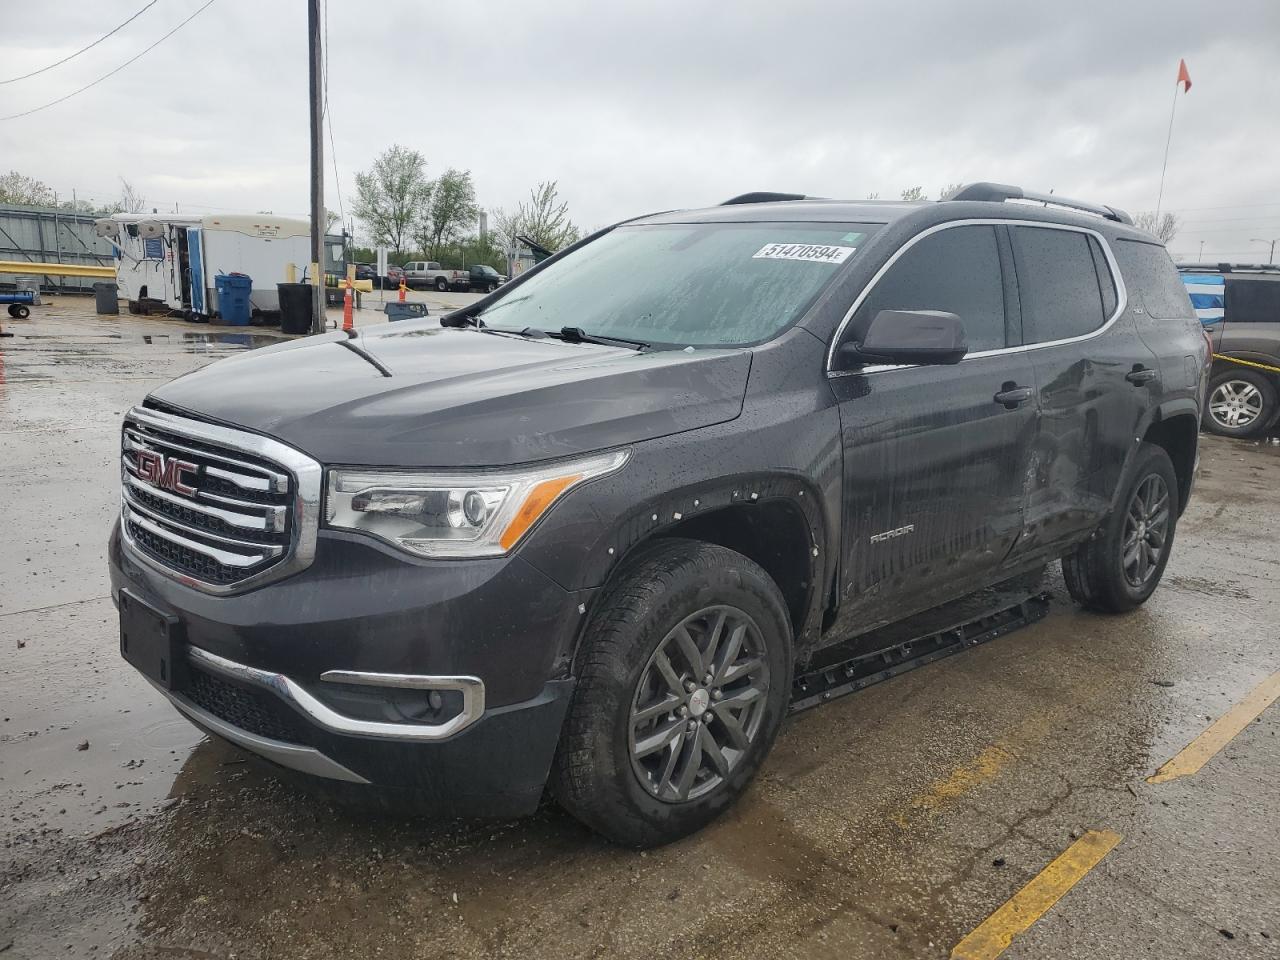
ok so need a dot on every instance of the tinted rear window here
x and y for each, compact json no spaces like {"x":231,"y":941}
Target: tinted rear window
{"x":1152,"y":280}
{"x":1057,"y":284}
{"x":1253,"y":301}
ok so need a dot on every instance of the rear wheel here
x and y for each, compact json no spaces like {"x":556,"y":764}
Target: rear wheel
{"x":683,"y":681}
{"x":1242,"y":402}
{"x":1121,"y":565}
{"x":442,"y":284}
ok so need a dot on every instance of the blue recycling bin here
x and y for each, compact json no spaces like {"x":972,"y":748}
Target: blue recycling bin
{"x":233,"y":298}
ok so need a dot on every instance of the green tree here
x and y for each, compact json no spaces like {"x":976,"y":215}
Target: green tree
{"x":544,"y":219}
{"x":451,"y":211}
{"x":17,"y":187}
{"x":392,"y":196}
{"x":913,"y":193}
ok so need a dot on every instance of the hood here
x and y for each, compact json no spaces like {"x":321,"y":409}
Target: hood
{"x":441,"y":397}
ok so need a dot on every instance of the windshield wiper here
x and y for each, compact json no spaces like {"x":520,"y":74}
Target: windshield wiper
{"x":578,"y":335}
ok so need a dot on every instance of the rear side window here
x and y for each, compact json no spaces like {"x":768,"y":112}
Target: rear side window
{"x":1057,"y":284}
{"x":1153,"y":282}
{"x":1253,"y":301}
{"x":956,"y":270}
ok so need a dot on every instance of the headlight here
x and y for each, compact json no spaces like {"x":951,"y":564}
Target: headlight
{"x":463,"y":514}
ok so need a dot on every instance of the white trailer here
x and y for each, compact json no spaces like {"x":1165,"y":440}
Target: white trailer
{"x":172,"y":259}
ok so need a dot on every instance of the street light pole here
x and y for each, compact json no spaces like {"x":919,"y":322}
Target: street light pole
{"x":317,"y":169}
{"x":1271,"y":258}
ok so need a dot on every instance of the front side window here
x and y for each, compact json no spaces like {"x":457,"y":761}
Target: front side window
{"x":1253,"y":301}
{"x":684,"y":284}
{"x":1057,"y":284}
{"x":956,"y":270}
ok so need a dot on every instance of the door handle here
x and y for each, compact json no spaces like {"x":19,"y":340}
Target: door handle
{"x":1012,"y":395}
{"x":1140,"y":375}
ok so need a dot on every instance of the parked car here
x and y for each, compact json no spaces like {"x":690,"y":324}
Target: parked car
{"x":394,"y":276}
{"x":422,"y":274}
{"x":484,"y":278}
{"x":1239,"y":305}
{"x":367,"y":271}
{"x":585,"y":530}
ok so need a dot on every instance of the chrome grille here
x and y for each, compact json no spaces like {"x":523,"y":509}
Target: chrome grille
{"x":216,"y":508}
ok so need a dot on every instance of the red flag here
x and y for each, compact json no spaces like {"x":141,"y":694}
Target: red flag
{"x":1183,"y":76}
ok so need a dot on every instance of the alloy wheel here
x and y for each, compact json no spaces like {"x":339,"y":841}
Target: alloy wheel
{"x":1235,"y":404}
{"x":1146,"y":530}
{"x":699,"y":704}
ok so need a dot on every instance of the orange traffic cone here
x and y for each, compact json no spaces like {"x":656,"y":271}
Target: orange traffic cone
{"x":348,"y":322}
{"x":403,"y":288}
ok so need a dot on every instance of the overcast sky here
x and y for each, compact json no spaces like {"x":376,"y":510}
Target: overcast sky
{"x":635,"y":108}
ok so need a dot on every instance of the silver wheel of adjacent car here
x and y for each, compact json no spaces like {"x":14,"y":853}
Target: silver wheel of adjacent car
{"x":1146,"y":528}
{"x":1235,"y":404}
{"x":699,"y":704}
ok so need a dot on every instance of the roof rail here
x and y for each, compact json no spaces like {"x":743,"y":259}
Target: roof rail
{"x":999,"y":192}
{"x":1224,"y":267}
{"x":763,"y":196}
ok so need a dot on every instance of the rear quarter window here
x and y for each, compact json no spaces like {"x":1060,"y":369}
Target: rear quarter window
{"x":1153,"y":282}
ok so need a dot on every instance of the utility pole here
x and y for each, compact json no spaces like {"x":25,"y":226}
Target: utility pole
{"x":317,"y":169}
{"x":1272,"y":257}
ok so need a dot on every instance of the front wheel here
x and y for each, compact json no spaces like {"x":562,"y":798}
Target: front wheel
{"x":683,"y":679}
{"x":1120,"y":566}
{"x":490,"y":288}
{"x":1242,"y":403}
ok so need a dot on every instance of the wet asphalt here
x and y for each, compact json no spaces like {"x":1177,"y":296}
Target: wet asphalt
{"x":886,"y":824}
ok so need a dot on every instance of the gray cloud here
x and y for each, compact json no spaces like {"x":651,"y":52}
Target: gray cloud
{"x":637,"y":108}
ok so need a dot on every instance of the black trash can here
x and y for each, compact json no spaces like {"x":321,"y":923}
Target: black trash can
{"x":106,"y":297}
{"x":295,"y":307}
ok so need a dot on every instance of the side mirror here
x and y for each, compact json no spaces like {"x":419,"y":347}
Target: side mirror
{"x":907,"y":337}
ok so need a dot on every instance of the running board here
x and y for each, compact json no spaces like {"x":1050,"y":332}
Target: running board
{"x":818,"y":686}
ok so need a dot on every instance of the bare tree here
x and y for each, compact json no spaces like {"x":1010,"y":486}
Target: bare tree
{"x":391,"y":197}
{"x":913,"y":193}
{"x":544,"y":220}
{"x":1164,"y":230}
{"x":874,"y":195}
{"x":451,"y":212}
{"x":17,"y":187}
{"x":949,"y":189}
{"x":131,"y":201}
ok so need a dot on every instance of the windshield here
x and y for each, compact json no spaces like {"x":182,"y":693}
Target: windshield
{"x":684,"y":284}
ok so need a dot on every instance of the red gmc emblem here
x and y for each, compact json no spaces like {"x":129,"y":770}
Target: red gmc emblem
{"x":166,"y":472}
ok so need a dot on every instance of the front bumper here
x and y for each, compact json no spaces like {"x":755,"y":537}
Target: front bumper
{"x":326,"y":672}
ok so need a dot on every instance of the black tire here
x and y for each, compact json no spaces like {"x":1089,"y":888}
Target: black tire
{"x":442,"y":284}
{"x":1098,"y":575}
{"x":490,"y":288}
{"x":595,"y":775}
{"x":1236,"y":392}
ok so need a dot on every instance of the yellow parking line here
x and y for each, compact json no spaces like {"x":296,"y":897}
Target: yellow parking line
{"x":1198,"y":752}
{"x":993,"y":936}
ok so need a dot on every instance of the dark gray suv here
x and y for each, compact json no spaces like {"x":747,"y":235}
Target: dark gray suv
{"x":583,"y":531}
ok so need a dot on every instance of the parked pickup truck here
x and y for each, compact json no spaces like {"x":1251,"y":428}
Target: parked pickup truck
{"x":581,"y":532}
{"x":484,"y":278}
{"x":420,"y":274}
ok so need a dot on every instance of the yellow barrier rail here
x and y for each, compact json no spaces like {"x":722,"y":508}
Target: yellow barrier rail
{"x":1247,"y":363}
{"x":27,"y":268}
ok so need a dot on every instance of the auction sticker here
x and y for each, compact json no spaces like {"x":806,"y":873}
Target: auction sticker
{"x":813,"y":252}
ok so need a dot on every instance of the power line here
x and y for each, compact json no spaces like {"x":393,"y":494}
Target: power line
{"x":51,"y":103}
{"x":83,"y":49}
